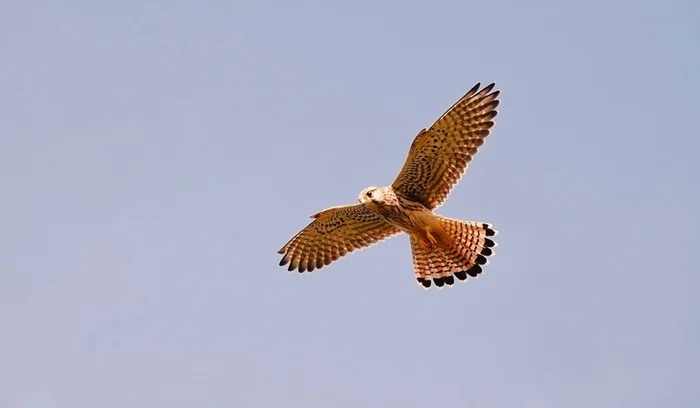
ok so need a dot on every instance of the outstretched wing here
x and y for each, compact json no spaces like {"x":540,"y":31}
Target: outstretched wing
{"x":334,"y":233}
{"x":440,"y":155}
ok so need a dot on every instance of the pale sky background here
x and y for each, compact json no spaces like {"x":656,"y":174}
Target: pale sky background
{"x":154,"y":156}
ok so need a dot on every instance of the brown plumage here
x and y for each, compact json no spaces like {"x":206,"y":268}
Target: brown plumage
{"x":334,"y":233}
{"x":442,"y":248}
{"x":462,"y":255}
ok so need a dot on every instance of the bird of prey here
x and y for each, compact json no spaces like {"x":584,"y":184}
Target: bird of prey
{"x":442,"y":248}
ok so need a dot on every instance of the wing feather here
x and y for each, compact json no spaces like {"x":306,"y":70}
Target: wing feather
{"x":439,"y":156}
{"x":332,"y":234}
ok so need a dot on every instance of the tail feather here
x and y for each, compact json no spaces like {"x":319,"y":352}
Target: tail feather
{"x":464,"y":249}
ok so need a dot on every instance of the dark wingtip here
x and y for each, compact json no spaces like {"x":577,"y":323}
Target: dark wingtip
{"x":449,"y":280}
{"x":439,"y":282}
{"x":284,"y":261}
{"x":489,"y":243}
{"x":486,"y":251}
{"x":425,"y":282}
{"x":488,"y":88}
{"x":481,"y":260}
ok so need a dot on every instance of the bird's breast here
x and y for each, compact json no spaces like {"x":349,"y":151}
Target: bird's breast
{"x":406,"y":219}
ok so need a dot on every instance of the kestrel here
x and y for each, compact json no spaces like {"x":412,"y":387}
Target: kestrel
{"x":442,"y":248}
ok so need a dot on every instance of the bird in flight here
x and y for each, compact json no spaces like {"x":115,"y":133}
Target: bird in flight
{"x":442,"y":248}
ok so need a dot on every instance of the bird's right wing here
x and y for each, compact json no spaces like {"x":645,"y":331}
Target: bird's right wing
{"x":332,"y":234}
{"x":440,"y":155}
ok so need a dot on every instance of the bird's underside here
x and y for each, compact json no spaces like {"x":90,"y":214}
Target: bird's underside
{"x":442,"y":248}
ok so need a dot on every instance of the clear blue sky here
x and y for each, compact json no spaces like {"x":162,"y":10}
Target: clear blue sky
{"x":155,"y":156}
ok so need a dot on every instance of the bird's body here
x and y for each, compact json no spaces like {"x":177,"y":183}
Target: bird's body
{"x":442,"y":248}
{"x":408,"y":216}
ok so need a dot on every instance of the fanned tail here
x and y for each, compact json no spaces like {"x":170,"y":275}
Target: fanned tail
{"x":466,"y":248}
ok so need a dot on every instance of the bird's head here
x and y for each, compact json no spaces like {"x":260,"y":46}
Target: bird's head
{"x":371,"y":196}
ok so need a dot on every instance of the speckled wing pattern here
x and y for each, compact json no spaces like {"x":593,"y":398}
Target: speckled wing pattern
{"x":334,"y":233}
{"x":439,"y":156}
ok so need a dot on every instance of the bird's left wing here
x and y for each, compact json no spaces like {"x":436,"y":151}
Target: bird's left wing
{"x":332,"y":234}
{"x":440,"y":155}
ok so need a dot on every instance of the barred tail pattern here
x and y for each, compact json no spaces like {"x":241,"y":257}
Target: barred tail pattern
{"x":466,"y":249}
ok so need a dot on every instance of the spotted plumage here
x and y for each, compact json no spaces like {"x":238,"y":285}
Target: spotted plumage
{"x":334,"y":233}
{"x":442,"y":248}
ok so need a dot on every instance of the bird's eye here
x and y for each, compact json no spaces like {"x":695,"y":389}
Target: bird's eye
{"x":369,"y":194}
